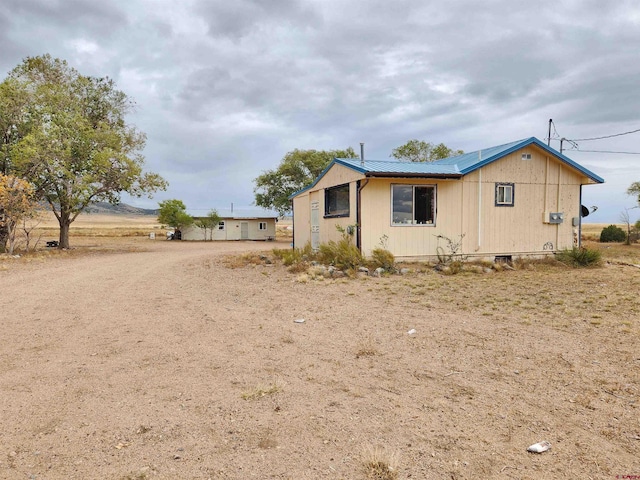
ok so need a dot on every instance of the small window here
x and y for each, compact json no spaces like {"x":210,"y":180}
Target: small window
{"x":526,"y":156}
{"x":413,"y":204}
{"x":336,"y":201}
{"x":263,"y":226}
{"x":221,"y":225}
{"x":504,"y":194}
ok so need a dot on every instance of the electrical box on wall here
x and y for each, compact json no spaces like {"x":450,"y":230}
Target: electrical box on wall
{"x":553,"y":217}
{"x":556,"y":217}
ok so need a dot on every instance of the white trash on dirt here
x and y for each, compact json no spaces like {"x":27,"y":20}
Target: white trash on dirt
{"x":539,"y":447}
{"x":299,"y":320}
{"x":413,"y":331}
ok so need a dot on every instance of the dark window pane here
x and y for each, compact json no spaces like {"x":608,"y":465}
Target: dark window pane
{"x":336,"y":200}
{"x":424,"y":205}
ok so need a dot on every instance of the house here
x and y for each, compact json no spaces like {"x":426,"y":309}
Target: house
{"x":521,"y":198}
{"x":238,"y":224}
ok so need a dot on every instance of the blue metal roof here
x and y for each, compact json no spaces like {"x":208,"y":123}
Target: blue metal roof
{"x":390,"y":167}
{"x":451,"y":167}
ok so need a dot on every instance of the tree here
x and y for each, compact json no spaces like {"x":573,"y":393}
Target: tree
{"x":173,"y":213}
{"x":634,"y":189}
{"x":297,"y":170}
{"x":16,"y":198}
{"x":624,"y":218}
{"x":76,"y":148}
{"x":420,"y":151}
{"x":14,"y":124}
{"x":209,"y":222}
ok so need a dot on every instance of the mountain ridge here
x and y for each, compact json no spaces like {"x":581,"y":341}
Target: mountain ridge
{"x":119,"y":209}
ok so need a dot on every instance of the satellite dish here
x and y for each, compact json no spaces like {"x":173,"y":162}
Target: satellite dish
{"x":584,"y":211}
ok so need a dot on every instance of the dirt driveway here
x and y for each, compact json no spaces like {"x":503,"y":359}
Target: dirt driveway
{"x":161,"y":362}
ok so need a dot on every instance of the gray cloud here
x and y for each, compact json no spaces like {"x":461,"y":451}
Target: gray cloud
{"x":242,"y":17}
{"x":225,"y":89}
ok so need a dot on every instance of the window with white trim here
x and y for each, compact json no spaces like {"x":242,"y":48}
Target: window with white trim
{"x":221,"y":225}
{"x":413,"y":204}
{"x":262,"y":226}
{"x":504,"y":194}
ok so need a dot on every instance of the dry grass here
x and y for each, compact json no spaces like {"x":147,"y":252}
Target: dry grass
{"x":246,"y":259}
{"x":368,"y":347}
{"x":261,"y":391}
{"x":378,"y":464}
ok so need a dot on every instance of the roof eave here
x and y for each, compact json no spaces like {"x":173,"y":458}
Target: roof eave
{"x":414,"y":175}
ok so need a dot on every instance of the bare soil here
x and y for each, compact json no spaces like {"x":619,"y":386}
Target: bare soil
{"x":128,"y":358}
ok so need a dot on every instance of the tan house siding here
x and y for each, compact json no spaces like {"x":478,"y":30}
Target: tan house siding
{"x":466,"y":204}
{"x":517,"y":229}
{"x":407,"y":240}
{"x":302,"y":220}
{"x":337,"y":175}
{"x":541,"y":185}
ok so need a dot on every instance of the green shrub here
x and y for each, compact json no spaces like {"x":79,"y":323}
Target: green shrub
{"x":612,"y":233}
{"x":579,"y":257}
{"x":382,"y":258}
{"x":295,"y":255}
{"x":342,"y":254}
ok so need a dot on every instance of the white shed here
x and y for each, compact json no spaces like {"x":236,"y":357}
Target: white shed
{"x":236,"y":224}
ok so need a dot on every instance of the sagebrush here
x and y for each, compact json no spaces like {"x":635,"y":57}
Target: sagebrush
{"x":580,"y":257}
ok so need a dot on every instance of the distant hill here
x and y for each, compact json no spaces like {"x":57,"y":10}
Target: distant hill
{"x":120,"y":209}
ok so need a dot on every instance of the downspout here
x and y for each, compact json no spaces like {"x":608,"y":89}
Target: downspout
{"x":479,"y":202}
{"x":558,"y":208}
{"x":580,"y":219}
{"x":293,"y":226}
{"x":358,"y":200}
{"x":359,"y":188}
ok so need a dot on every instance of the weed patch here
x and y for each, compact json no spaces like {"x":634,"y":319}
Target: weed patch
{"x":379,"y":465}
{"x":580,"y":257}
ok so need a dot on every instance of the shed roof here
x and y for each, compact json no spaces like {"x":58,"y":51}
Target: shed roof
{"x":237,"y":213}
{"x":452,"y":167}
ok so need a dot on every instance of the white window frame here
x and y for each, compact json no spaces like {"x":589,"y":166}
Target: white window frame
{"x":413,"y":221}
{"x":526,"y":156}
{"x":262,"y":226}
{"x":221,"y":225}
{"x":501,"y":197}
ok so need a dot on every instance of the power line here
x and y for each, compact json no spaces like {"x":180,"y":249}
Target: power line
{"x":603,"y":151}
{"x":606,"y":136}
{"x":554,"y":129}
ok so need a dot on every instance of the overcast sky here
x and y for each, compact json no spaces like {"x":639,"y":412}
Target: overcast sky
{"x":225,"y":88}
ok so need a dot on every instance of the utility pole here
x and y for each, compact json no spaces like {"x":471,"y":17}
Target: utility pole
{"x":549,"y":136}
{"x":561,"y":142}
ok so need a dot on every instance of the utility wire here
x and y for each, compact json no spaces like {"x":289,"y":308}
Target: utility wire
{"x":557,"y":135}
{"x":603,"y":151}
{"x":606,"y":136}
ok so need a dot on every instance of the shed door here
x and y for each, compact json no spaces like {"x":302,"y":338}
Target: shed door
{"x":244,"y":230}
{"x":315,"y":225}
